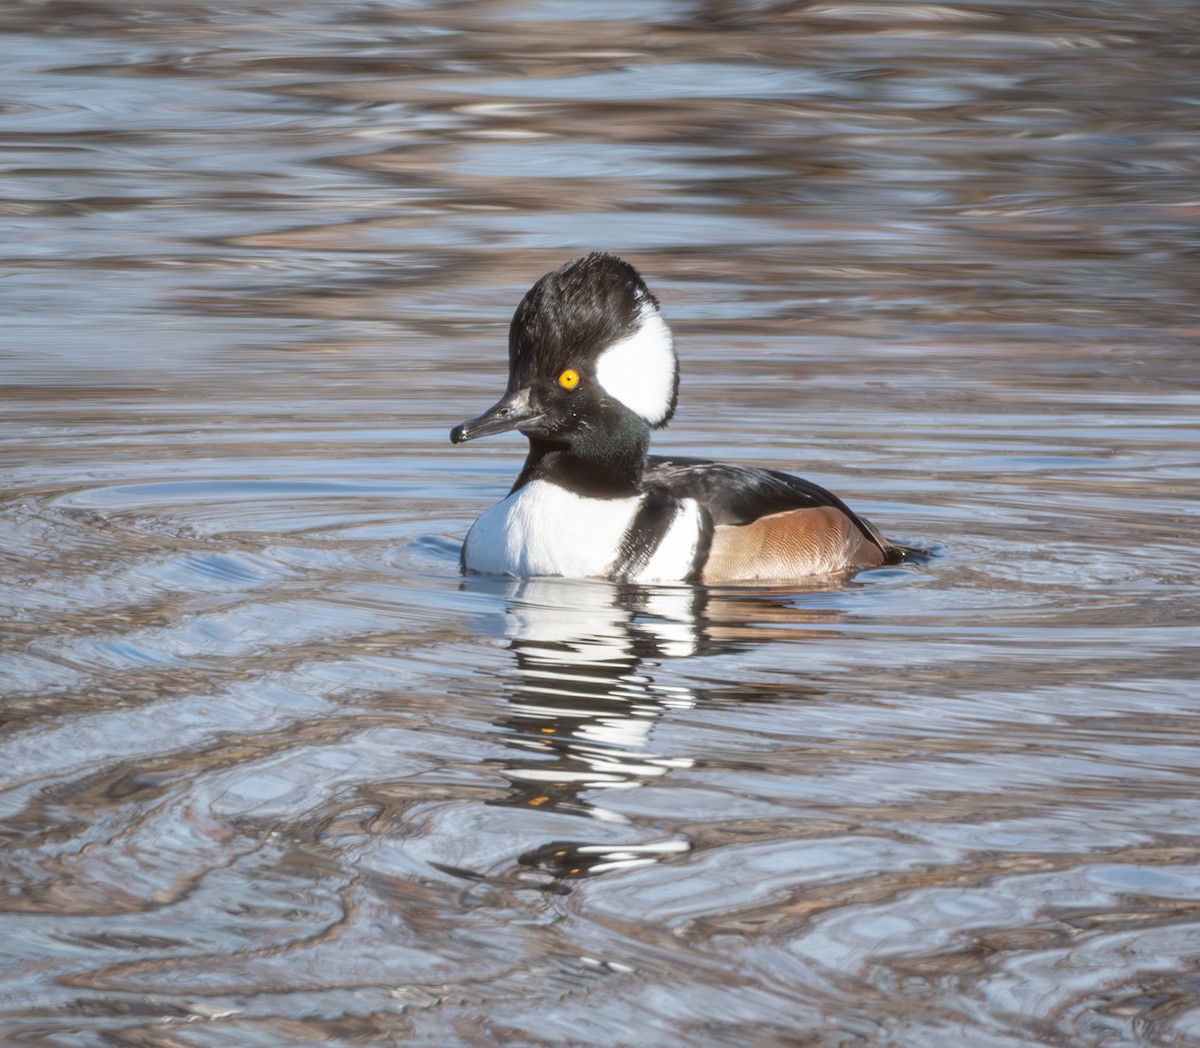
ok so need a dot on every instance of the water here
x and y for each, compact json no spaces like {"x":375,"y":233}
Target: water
{"x":274,"y":774}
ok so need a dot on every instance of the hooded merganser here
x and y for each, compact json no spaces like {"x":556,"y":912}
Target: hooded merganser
{"x":591,"y":371}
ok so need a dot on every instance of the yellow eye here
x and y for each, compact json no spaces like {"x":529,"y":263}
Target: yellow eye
{"x":569,"y":379}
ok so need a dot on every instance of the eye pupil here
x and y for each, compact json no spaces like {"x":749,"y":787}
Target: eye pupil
{"x":569,"y":379}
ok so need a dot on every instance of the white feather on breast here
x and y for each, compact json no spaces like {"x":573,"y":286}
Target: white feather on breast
{"x":672,"y":561}
{"x":544,"y":529}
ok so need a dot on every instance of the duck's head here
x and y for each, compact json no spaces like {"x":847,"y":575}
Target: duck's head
{"x":591,"y":363}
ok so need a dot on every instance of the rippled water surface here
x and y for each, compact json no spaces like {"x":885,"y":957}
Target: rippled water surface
{"x":274,"y":774}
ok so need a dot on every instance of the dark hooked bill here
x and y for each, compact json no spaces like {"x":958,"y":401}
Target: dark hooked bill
{"x":510,"y":412}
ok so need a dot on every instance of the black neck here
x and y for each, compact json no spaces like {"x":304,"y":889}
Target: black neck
{"x":604,"y":471}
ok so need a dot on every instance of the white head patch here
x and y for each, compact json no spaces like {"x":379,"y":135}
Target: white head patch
{"x":640,"y":370}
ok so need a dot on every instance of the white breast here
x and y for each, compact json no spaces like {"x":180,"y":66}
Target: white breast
{"x":544,"y":529}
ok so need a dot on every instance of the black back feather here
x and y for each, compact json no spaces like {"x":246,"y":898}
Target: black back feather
{"x":743,"y":494}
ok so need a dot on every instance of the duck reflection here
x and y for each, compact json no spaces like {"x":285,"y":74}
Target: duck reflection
{"x":583,"y":701}
{"x":580,"y":697}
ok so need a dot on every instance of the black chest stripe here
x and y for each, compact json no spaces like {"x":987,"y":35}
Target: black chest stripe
{"x":644,"y":535}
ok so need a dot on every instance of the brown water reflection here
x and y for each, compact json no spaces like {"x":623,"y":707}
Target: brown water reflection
{"x":273,"y":774}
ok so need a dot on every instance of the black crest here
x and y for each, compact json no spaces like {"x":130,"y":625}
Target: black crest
{"x":588,"y":303}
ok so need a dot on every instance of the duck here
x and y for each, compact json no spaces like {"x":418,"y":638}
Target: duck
{"x":592,"y":373}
